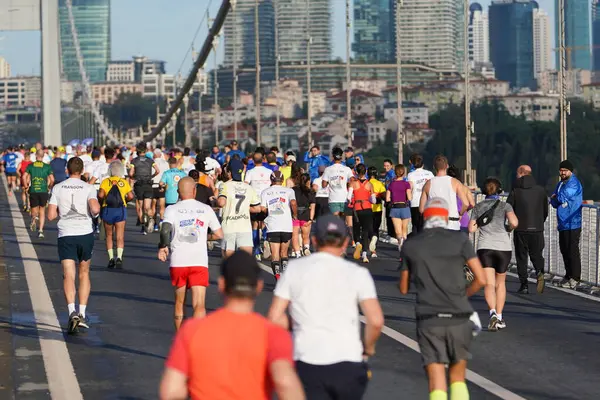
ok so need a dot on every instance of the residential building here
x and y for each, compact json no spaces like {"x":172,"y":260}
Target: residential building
{"x":240,"y":33}
{"x":436,"y":97}
{"x":577,"y":34}
{"x":4,"y":68}
{"x":485,"y":70}
{"x":533,"y":106}
{"x":574,"y":82}
{"x":367,"y":85}
{"x":109,"y":92}
{"x":318,"y":102}
{"x":511,"y":41}
{"x":591,"y":94}
{"x":120,"y":71}
{"x":293,"y":28}
{"x":431,"y":32}
{"x":479,"y":35}
{"x":596,"y":37}
{"x":143,"y":66}
{"x":479,"y":89}
{"x":412,"y":112}
{"x":159,"y":86}
{"x":374,"y":31}
{"x":21,"y":91}
{"x":542,"y":49}
{"x":362,"y":103}
{"x":289,"y":94}
{"x":92,"y":22}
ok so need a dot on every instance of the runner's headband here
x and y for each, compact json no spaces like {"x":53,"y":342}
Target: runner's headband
{"x":435,"y":212}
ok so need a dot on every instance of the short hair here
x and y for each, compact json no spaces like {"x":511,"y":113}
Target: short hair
{"x":315,"y":147}
{"x":399,"y":170}
{"x":417,"y":160}
{"x":116,"y":168}
{"x":440,"y":163}
{"x":361,"y":169}
{"x":331,"y":240}
{"x":75,"y":166}
{"x":141,"y":148}
{"x":387,"y":160}
{"x":187,"y":151}
{"x":372,"y":172}
{"x":172,"y":160}
{"x":271,"y":158}
{"x":454,"y":172}
{"x":491,"y":186}
{"x":194,"y":174}
{"x":260,"y":150}
{"x":109,"y":153}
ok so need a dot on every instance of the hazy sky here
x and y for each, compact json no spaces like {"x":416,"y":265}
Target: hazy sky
{"x":157,"y":29}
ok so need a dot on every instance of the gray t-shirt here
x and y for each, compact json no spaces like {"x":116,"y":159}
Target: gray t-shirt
{"x":435,"y":260}
{"x":493,"y":236}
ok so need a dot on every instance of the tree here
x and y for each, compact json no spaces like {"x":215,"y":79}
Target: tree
{"x":130,"y":110}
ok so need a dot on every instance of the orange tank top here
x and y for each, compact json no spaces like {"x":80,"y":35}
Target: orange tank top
{"x":204,"y":180}
{"x":362,"y":196}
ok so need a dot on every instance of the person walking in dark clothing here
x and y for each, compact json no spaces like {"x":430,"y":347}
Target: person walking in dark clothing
{"x":530,"y":203}
{"x":568,"y":199}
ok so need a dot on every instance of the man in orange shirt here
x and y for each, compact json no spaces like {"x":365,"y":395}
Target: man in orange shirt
{"x":234,"y":353}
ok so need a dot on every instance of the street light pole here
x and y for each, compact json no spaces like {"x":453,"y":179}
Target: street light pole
{"x":468,"y":125}
{"x":308,"y":71}
{"x":348,"y":89}
{"x":399,"y":116}
{"x":562,"y":81}
{"x":235,"y":65}
{"x":257,"y":58}
{"x":277,"y":111}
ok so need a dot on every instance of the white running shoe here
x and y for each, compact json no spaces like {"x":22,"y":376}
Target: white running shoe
{"x":373,"y":244}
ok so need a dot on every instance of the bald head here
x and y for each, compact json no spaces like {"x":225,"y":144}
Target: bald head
{"x":187,"y":188}
{"x":523,"y":170}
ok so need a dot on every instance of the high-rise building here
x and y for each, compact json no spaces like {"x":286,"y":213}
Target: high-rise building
{"x":511,"y":41}
{"x":292,"y":26}
{"x":240,"y":33}
{"x":542,"y":49}
{"x":577,"y":34}
{"x":479,"y":35}
{"x":596,"y":35}
{"x":431,"y":32}
{"x":4,"y":68}
{"x":374,"y":27}
{"x":92,"y":22}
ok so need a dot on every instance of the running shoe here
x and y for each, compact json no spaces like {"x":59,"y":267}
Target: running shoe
{"x":41,"y":234}
{"x":306,"y":252}
{"x":524,"y":288}
{"x":150,"y":225}
{"x":501,"y":324}
{"x":276,"y":271}
{"x":357,"y":251}
{"x":373,"y":255}
{"x":284,"y":265}
{"x":493,"y":324}
{"x":541,"y":282}
{"x":570,"y":284}
{"x":365,"y":259}
{"x":33,"y":225}
{"x":210,"y":246}
{"x":111,"y":264}
{"x":143,"y":230}
{"x":138,"y":223}
{"x":119,"y":263}
{"x":155,"y":227}
{"x":373,"y":244}
{"x":84,"y":322}
{"x":266,"y":250}
{"x":258,"y":257}
{"x":74,"y":321}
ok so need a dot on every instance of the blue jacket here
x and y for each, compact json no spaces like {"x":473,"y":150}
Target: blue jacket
{"x":568,"y":203}
{"x":313,"y":164}
{"x":220,"y":157}
{"x":231,"y":153}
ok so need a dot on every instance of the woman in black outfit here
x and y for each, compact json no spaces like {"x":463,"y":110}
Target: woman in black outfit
{"x":305,"y":199}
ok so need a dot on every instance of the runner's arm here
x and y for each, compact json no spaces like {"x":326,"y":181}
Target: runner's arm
{"x":165,"y":235}
{"x":460,"y":192}
{"x":50,"y":180}
{"x":285,"y":380}
{"x":129,"y":196}
{"x":424,"y":196}
{"x":475,"y":266}
{"x":294,"y":207}
{"x":156,"y":170}
{"x":173,"y":385}
{"x":216,"y":235}
{"x":277,"y":311}
{"x":371,"y":309}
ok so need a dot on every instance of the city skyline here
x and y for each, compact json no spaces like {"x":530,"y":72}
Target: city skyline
{"x":129,"y":40}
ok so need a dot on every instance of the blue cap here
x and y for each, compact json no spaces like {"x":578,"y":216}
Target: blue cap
{"x":236,"y":167}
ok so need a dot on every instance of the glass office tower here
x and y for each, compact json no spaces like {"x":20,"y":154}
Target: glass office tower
{"x":374,"y":31}
{"x":92,"y":21}
{"x":577,"y":34}
{"x":596,"y":35}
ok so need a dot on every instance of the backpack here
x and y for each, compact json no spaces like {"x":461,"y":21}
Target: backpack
{"x":143,"y":168}
{"x":113,"y":197}
{"x":487,"y":217}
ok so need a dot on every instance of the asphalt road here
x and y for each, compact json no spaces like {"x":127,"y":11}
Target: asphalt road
{"x":549,"y":349}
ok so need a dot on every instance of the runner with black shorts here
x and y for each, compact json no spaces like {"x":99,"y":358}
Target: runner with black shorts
{"x":446,"y":323}
{"x":38,"y":179}
{"x":75,"y":202}
{"x":9,"y":161}
{"x":494,"y":247}
{"x":259,"y":178}
{"x":143,"y":169}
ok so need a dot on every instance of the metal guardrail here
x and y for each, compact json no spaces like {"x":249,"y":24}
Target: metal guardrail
{"x":589,"y":244}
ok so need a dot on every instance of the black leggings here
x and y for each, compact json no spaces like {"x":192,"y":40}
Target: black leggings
{"x":377,"y":217}
{"x":363,"y":221}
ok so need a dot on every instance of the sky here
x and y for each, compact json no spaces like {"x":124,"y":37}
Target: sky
{"x":157,"y":29}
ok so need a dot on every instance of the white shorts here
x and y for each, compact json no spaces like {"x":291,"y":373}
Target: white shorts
{"x":233,"y":241}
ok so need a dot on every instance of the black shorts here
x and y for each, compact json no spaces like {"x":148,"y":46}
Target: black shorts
{"x":348,"y":212}
{"x":445,"y":344}
{"x":10,"y":173}
{"x":158,"y":194}
{"x":344,"y":380}
{"x":38,"y":199}
{"x":142,"y":190}
{"x":258,"y":216}
{"x":279,"y":237}
{"x":78,"y":248}
{"x":499,"y":260}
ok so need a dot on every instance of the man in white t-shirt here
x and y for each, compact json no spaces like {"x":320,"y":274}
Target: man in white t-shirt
{"x":158,"y":193}
{"x":184,"y":234}
{"x":322,"y":194}
{"x":83,"y":154}
{"x":259,"y":178}
{"x":101,"y":171}
{"x":279,"y":203}
{"x":88,"y":169}
{"x":417,"y":178}
{"x":76,"y":203}
{"x":337,"y":177}
{"x":323,"y":293}
{"x":238,"y":200}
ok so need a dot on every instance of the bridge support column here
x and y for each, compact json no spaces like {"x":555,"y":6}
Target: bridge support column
{"x":52,"y":128}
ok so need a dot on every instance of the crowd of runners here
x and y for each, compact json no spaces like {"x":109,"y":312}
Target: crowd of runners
{"x":296,"y":215}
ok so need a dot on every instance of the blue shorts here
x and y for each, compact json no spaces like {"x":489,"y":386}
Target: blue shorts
{"x":113,"y":215}
{"x":400,"y":213}
{"x":337,"y":207}
{"x":77,"y":248}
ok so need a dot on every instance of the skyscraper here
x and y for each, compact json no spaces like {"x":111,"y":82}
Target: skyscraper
{"x":479,"y":34}
{"x":511,"y":41}
{"x":374,"y":31}
{"x":577,"y":34}
{"x":542,"y":49}
{"x":92,"y":21}
{"x":596,"y":34}
{"x":431,"y":32}
{"x":240,"y":33}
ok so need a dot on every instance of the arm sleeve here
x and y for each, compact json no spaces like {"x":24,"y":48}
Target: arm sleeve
{"x":248,"y":176}
{"x":571,"y":190}
{"x":263,"y":200}
{"x":104,"y":185}
{"x":169,"y":216}
{"x":366,"y":285}
{"x":279,"y":344}
{"x":127,"y":186}
{"x":508,"y":208}
{"x":292,"y":195}
{"x":163,"y":179}
{"x":511,"y":198}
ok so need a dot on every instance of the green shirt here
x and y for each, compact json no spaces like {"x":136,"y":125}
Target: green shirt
{"x":39,"y":173}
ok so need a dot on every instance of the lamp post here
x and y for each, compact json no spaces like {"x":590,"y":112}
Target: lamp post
{"x":399,"y":117}
{"x":348,"y":89}
{"x":562,"y":80}
{"x":277,"y":111}
{"x":257,"y":59}
{"x":235,"y":66}
{"x":469,"y":181}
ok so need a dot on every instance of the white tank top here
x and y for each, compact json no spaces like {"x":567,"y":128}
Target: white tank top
{"x":441,"y":186}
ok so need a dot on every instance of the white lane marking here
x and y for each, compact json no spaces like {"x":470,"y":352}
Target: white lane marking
{"x":62,"y":381}
{"x":567,"y":291}
{"x":473,"y":377}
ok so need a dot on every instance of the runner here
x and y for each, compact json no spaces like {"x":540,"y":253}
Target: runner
{"x":209,"y":352}
{"x":9,"y":161}
{"x":377,"y":208}
{"x":38,"y":179}
{"x":323,"y":293}
{"x":23,"y":164}
{"x":494,"y":248}
{"x":337,"y":177}
{"x":75,"y":202}
{"x":454,"y":172}
{"x":143,"y":169}
{"x":259,"y":178}
{"x":183,"y":235}
{"x":170,"y":180}
{"x":158,"y":194}
{"x":238,"y":200}
{"x":114,"y":194}
{"x":399,"y":196}
{"x":279,"y":204}
{"x":446,"y":322}
{"x":417,"y":178}
{"x":363,"y":198}
{"x":321,"y":195}
{"x":305,"y":201}
{"x":59,"y":167}
{"x":91,"y":167}
{"x":102,"y":170}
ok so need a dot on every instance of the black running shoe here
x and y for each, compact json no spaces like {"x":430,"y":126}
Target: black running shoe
{"x":138,"y":223}
{"x":493,"y":324}
{"x":119,"y":263}
{"x":523,"y":289}
{"x":111,"y":264}
{"x":74,"y":321}
{"x":84,"y":322}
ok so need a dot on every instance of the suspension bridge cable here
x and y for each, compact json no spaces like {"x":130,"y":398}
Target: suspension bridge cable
{"x":191,"y":48}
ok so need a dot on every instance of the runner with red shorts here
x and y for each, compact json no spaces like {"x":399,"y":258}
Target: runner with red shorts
{"x":184,"y":234}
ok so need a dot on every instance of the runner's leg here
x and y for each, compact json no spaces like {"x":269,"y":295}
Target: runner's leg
{"x":108,"y":228}
{"x":120,"y":233}
{"x":458,"y":386}
{"x":295,"y":240}
{"x":179,"y":303}
{"x":85,"y":285}
{"x":42,"y":216}
{"x":198,"y":301}
{"x":490,"y":287}
{"x":438,"y":387}
{"x":69,"y":283}
{"x":500,"y":292}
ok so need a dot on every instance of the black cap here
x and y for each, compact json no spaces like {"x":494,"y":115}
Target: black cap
{"x":567,"y":165}
{"x":236,"y":167}
{"x":349,"y":149}
{"x":330,"y":225}
{"x":277,"y":176}
{"x":241,"y":273}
